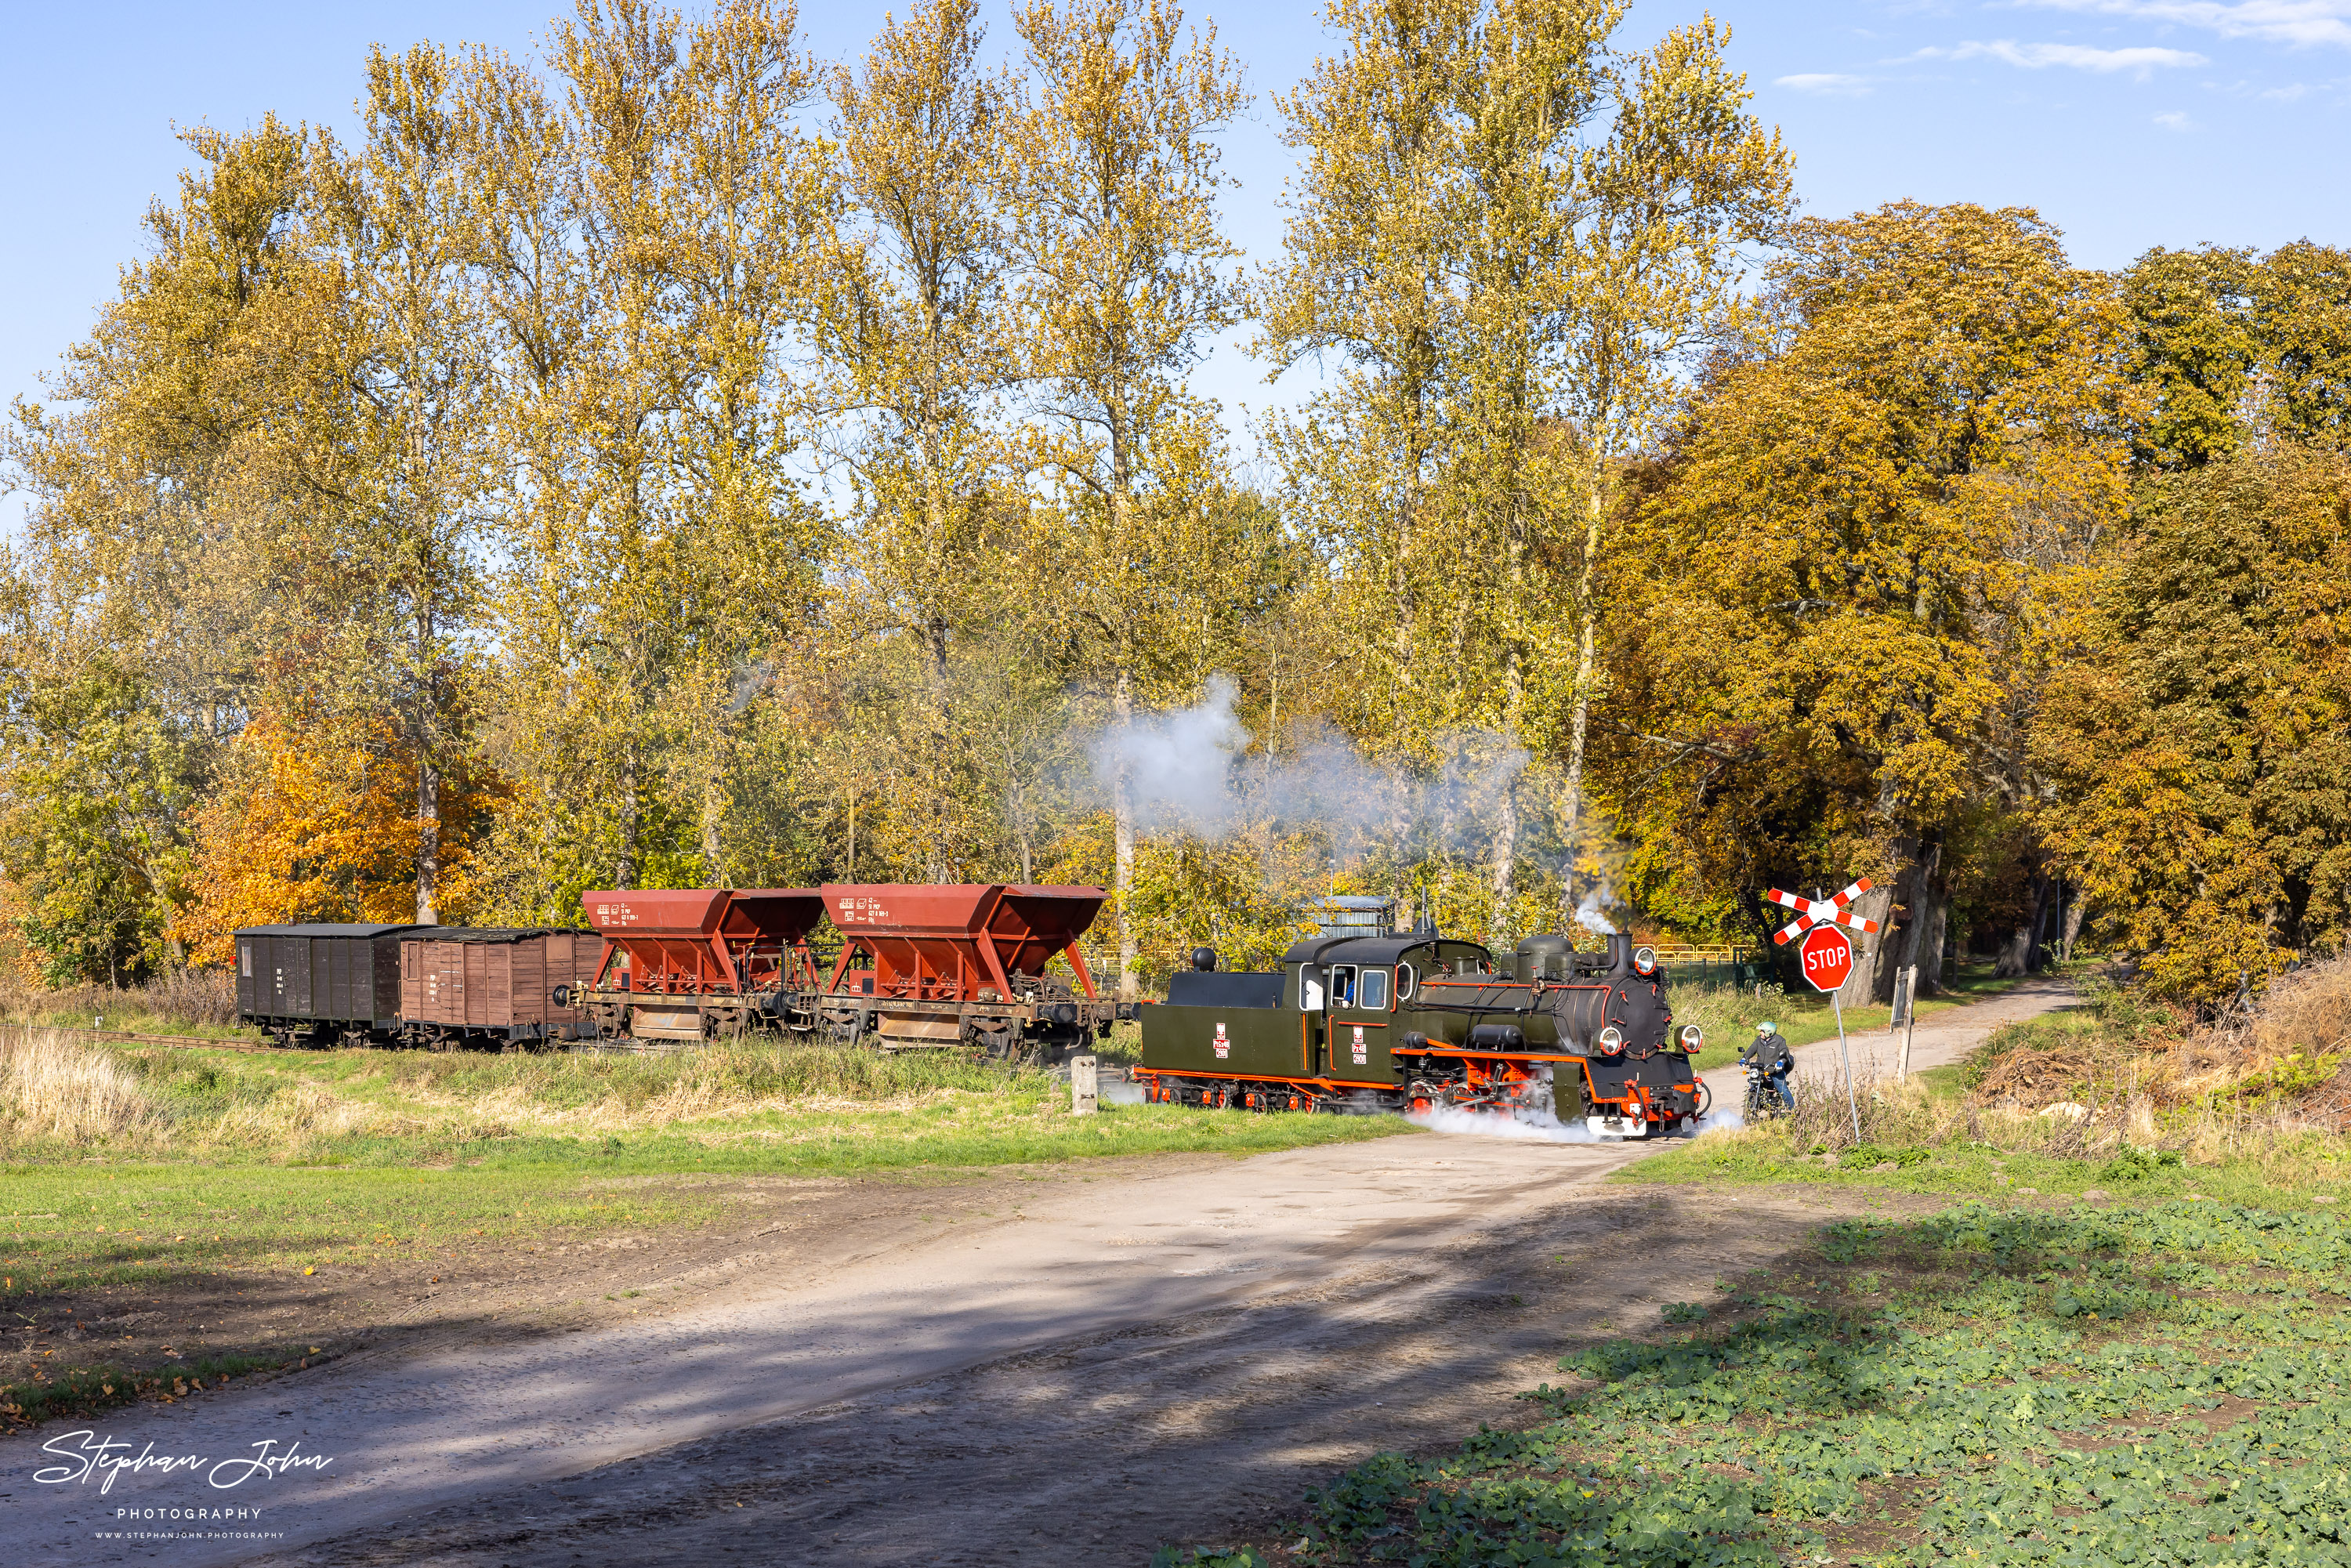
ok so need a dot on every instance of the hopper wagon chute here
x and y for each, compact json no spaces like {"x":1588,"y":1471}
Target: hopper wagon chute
{"x":690,"y":964}
{"x":930,"y":967}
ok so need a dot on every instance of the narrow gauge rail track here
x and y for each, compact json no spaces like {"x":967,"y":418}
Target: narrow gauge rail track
{"x":127,"y":1037}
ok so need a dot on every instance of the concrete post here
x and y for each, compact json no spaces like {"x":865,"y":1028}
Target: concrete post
{"x":1909,"y":1019}
{"x":1084,"y":1087}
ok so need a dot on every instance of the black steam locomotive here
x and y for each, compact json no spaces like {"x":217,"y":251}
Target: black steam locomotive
{"x":1368,"y":1023}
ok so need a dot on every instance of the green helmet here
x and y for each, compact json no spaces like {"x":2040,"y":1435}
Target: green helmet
{"x":1767,"y":1027}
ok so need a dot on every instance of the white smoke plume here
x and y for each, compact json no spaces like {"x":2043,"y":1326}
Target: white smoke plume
{"x":1191,"y":770}
{"x":1587,"y":912}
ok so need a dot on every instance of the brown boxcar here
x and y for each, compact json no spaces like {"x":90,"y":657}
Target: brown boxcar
{"x":494,"y":986}
{"x":320,"y":984}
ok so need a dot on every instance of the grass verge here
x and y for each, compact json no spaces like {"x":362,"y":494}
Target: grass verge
{"x":1986,"y":1384}
{"x":135,"y":1166}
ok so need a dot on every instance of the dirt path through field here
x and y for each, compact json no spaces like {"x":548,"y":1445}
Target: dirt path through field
{"x":1072,"y":1371}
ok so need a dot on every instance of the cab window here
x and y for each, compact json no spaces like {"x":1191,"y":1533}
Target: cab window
{"x":1309,"y":989}
{"x":1405,"y":978}
{"x":1342,"y":985}
{"x":1374,"y":990}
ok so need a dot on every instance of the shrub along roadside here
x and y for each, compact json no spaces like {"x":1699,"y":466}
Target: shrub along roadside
{"x":1984,"y":1385}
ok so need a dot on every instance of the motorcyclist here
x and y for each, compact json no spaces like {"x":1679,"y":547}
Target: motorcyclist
{"x":1767,"y":1052}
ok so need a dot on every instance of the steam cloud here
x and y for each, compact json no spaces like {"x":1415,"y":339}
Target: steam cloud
{"x":1191,"y":771}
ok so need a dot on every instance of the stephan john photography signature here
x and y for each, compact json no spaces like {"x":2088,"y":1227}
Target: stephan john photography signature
{"x":90,"y":1455}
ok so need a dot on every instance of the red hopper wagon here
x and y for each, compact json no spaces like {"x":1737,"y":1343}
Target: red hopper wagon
{"x":693,"y":963}
{"x":925,"y":966}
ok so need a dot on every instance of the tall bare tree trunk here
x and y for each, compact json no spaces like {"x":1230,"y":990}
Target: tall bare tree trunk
{"x":1922,"y":939}
{"x":625,"y":869}
{"x":1870,"y":953}
{"x":1506,"y":827}
{"x":1121,"y":707}
{"x":428,"y":843}
{"x":934,"y":662}
{"x":2019,"y":950}
{"x":1580,"y":715}
{"x":428,"y":777}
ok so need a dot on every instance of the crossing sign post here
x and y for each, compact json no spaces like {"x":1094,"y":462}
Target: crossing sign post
{"x":1826,"y":954}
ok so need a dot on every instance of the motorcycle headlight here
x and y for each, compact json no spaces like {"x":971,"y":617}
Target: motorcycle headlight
{"x":1611,"y":1040}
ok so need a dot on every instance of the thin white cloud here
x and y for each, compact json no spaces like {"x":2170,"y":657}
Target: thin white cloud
{"x":2173,"y":119}
{"x":2299,"y":22}
{"x":2286,"y":94}
{"x":2073,"y":57}
{"x":1824,"y":84}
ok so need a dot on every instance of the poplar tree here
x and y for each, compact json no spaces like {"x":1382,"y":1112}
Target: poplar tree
{"x":1123,"y":274}
{"x":421,"y":374}
{"x":912,"y":324}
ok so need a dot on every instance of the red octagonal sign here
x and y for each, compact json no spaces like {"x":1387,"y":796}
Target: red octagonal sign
{"x":1828,"y":957}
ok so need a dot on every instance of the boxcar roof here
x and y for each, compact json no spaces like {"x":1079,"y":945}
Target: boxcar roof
{"x":492,"y":933}
{"x":324,"y":930}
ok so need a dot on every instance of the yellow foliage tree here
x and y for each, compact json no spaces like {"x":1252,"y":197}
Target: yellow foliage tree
{"x":324,"y":826}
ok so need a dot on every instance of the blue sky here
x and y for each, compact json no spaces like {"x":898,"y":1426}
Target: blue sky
{"x":2129,"y":123}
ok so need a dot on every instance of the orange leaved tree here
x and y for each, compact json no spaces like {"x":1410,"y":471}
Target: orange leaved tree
{"x":313,"y":825}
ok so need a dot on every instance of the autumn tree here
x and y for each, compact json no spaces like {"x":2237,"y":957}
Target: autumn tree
{"x":2233,"y":348}
{"x":646,"y":276}
{"x":1509,"y":234}
{"x":1123,"y":274}
{"x":913,"y":325}
{"x":1837,"y":598}
{"x":2198,"y":741}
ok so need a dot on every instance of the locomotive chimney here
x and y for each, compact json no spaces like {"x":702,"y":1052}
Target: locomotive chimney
{"x":1620,"y":954}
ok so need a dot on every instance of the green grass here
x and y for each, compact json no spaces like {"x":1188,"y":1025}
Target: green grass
{"x":2295,"y":1175}
{"x":131,"y":1019}
{"x":82,"y":1390}
{"x":340,"y":1159}
{"x":2159,"y":1385}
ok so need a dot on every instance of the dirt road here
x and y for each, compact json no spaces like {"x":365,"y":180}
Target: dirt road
{"x":1069,"y":1370}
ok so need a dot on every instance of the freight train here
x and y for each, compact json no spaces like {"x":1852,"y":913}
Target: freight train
{"x":1359,"y":1019}
{"x":918,"y":967}
{"x":1418,"y":1022}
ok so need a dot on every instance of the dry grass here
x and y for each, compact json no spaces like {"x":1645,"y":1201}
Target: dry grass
{"x":52,"y":1087}
{"x":203,"y":999}
{"x":60,"y":1092}
{"x":2288,"y":1061}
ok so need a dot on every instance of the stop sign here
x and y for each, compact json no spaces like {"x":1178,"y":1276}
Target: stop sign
{"x":1828,"y":957}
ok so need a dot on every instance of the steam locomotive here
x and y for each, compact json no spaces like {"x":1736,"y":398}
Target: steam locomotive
{"x":1369,"y":1023}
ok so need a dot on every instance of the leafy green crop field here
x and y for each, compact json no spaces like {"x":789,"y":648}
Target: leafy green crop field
{"x":2166,"y":1386}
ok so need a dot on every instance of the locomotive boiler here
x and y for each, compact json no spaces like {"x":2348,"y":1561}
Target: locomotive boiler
{"x":1416,"y":1022}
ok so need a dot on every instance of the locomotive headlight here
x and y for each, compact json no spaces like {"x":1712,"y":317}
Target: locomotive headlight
{"x":1611,"y":1040}
{"x":1692,"y":1037}
{"x":1645,"y":960}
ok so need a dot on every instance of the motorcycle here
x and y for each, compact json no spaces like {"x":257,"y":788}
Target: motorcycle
{"x":1762,"y":1094}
